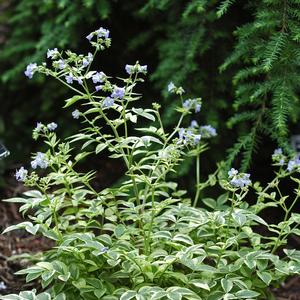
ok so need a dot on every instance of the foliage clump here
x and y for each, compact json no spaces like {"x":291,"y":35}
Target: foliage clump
{"x":144,"y":238}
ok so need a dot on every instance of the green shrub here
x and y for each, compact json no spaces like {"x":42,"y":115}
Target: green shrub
{"x":144,"y":238}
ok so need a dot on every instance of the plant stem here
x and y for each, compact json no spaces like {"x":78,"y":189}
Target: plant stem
{"x":197,"y":180}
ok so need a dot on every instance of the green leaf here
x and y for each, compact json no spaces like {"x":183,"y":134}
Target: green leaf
{"x":128,"y":295}
{"x":183,"y":238}
{"x":239,"y":218}
{"x":210,"y":202}
{"x":265,"y":277}
{"x":74,"y":99}
{"x":100,"y":148}
{"x":119,"y":230}
{"x":246,"y":294}
{"x":227,"y":285}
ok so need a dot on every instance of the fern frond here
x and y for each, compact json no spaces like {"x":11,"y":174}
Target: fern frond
{"x":273,"y":50}
{"x":222,"y":9}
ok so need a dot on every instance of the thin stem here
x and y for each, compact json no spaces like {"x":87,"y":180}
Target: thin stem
{"x":197,"y":180}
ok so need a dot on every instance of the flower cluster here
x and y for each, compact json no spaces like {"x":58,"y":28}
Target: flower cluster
{"x":40,"y":161}
{"x":30,"y":70}
{"x":21,"y":174}
{"x":137,"y":68}
{"x":100,"y":33}
{"x":192,"y":104}
{"x":87,"y":60}
{"x":278,"y":157}
{"x":188,"y":137}
{"x":118,"y":92}
{"x":207,"y":131}
{"x":52,"y":126}
{"x":52,"y":53}
{"x":293,"y":164}
{"x":172,"y":88}
{"x":108,"y":102}
{"x":238,"y":180}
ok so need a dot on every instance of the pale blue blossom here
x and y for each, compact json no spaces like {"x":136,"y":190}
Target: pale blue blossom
{"x":118,"y":92}
{"x":98,"y":87}
{"x":39,"y":126}
{"x":40,"y":161}
{"x":171,"y":87}
{"x":232,"y":172}
{"x":131,"y":69}
{"x":90,"y":36}
{"x":107,"y":102}
{"x":194,"y":124}
{"x":52,"y":126}
{"x":87,"y":60}
{"x":188,"y":137}
{"x":208,"y":131}
{"x":69,"y":78}
{"x":30,"y":70}
{"x":76,"y":114}
{"x":277,"y":151}
{"x":61,"y":64}
{"x":197,"y":107}
{"x":2,"y":286}
{"x":293,"y":164}
{"x":238,"y":180}
{"x":52,"y":53}
{"x":21,"y":174}
{"x":102,"y":32}
{"x":187,"y":104}
{"x":104,"y":250}
{"x":98,"y":77}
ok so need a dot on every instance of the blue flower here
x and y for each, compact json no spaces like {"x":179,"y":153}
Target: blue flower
{"x":197,"y":138}
{"x":30,"y":70}
{"x":90,"y":36}
{"x":293,"y":164}
{"x":61,"y":64}
{"x":186,"y":136}
{"x":98,"y":77}
{"x":238,"y":180}
{"x":102,"y":32}
{"x":118,"y":92}
{"x":171,"y":87}
{"x":21,"y":174}
{"x":98,"y":87}
{"x":87,"y":60}
{"x":197,"y":107}
{"x":194,"y":124}
{"x":40,"y":161}
{"x":52,"y":126}
{"x":131,"y":69}
{"x":107,"y":102}
{"x":2,"y":286}
{"x":39,"y":126}
{"x":76,"y":114}
{"x":69,"y":78}
{"x":208,"y":131}
{"x":187,"y":104}
{"x":277,"y":151}
{"x":52,"y":53}
{"x":232,"y":172}
{"x":104,"y":250}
